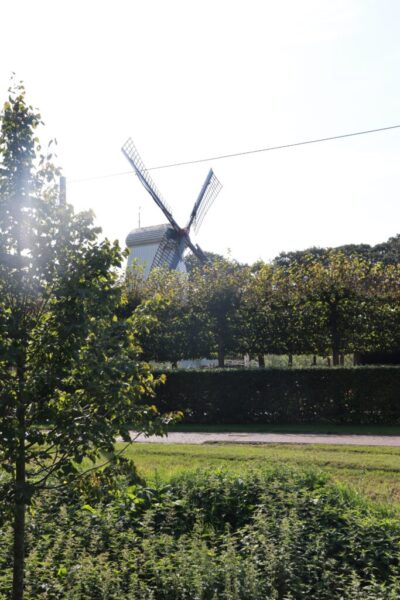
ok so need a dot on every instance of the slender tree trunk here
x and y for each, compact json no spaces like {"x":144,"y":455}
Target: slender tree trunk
{"x":341,"y":359}
{"x":221,"y":344}
{"x":221,"y":357}
{"x":20,"y":463}
{"x":335,"y":335}
{"x":20,"y":498}
{"x":314,"y":360}
{"x":19,"y":532}
{"x":290,"y":360}
{"x":261,"y":360}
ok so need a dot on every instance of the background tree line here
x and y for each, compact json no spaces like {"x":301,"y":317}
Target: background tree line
{"x":325,"y":302}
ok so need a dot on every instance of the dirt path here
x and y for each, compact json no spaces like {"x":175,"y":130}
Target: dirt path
{"x":271,"y":438}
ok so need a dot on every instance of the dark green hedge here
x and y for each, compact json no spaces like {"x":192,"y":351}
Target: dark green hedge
{"x":362,"y":395}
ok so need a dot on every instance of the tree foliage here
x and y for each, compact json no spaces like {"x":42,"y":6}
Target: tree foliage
{"x":216,"y":295}
{"x":324,"y":303}
{"x":70,"y":374}
{"x":387,"y":253}
{"x":330,"y":304}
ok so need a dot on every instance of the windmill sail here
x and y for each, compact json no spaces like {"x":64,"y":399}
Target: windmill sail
{"x":166,"y":253}
{"x":213,"y":188}
{"x":133,"y":156}
{"x":164,"y":245}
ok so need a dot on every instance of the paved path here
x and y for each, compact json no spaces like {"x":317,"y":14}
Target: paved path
{"x":270,"y":438}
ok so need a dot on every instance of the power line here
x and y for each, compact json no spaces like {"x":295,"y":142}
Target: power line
{"x":245,"y":153}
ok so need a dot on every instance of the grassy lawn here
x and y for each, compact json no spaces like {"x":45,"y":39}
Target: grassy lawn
{"x":290,"y":428}
{"x":374,"y":471}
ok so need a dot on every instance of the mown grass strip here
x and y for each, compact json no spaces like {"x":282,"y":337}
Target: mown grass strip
{"x":373,"y":471}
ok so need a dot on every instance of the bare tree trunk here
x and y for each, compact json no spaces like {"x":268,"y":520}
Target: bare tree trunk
{"x":314,"y":360}
{"x":341,"y":360}
{"x":20,"y":499}
{"x":335,"y":357}
{"x":261,"y":360}
{"x":221,"y":355}
{"x":328,"y":360}
{"x":335,"y":336}
{"x":221,"y":359}
{"x":20,"y":463}
{"x":290,"y":360}
{"x":19,"y":532}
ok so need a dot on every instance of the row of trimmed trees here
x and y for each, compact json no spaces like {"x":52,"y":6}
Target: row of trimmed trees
{"x":327,"y":305}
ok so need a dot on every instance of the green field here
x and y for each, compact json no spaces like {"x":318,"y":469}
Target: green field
{"x":373,"y":471}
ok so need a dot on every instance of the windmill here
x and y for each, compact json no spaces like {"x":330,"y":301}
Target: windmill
{"x":164,"y":245}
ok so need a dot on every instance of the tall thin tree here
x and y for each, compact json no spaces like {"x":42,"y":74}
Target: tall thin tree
{"x":70,"y":374}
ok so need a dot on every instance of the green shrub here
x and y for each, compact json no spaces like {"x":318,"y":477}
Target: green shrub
{"x":281,"y":534}
{"x":362,"y":395}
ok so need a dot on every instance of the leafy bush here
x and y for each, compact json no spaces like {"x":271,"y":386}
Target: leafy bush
{"x":281,"y":534}
{"x":362,"y":395}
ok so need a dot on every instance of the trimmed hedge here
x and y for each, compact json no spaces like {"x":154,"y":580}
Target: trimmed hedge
{"x":362,"y":395}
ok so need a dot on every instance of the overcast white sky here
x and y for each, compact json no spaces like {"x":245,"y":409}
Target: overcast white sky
{"x":189,"y":79}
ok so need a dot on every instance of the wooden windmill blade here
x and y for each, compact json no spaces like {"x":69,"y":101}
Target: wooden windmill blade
{"x":130,"y":151}
{"x":197,"y":251}
{"x":172,"y":248}
{"x":167,"y":252}
{"x":178,"y":254}
{"x":210,"y":190}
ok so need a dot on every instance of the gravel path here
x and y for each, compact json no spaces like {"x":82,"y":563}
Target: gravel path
{"x":270,"y":438}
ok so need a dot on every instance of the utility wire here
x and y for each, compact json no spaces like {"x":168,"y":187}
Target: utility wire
{"x":245,"y":153}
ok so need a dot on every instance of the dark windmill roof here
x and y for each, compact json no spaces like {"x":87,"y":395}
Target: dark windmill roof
{"x":147,"y":235}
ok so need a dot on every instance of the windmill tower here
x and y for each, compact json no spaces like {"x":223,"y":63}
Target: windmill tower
{"x":165,"y":244}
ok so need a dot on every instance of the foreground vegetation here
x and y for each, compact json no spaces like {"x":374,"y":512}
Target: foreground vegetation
{"x":72,"y":379}
{"x":372,"y":471}
{"x":279,"y":534}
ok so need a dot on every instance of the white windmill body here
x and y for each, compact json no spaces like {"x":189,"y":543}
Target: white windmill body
{"x":143,"y":244}
{"x":164,"y":245}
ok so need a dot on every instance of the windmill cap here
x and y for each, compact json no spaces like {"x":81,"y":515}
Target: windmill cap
{"x":147,"y":235}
